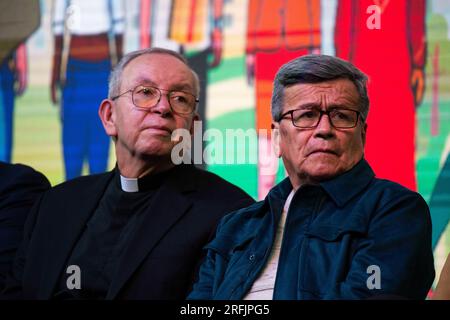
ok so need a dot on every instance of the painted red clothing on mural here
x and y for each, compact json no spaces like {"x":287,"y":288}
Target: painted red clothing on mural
{"x":277,"y":32}
{"x":392,"y":56}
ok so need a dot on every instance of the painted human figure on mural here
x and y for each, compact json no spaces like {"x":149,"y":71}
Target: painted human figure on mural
{"x":433,"y":156}
{"x":393,"y":55}
{"x":277,"y":31}
{"x":191,"y":27}
{"x":88,"y":39}
{"x":13,"y":82}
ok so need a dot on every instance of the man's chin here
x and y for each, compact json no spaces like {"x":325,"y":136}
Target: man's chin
{"x":160,"y":150}
{"x":323,"y":174}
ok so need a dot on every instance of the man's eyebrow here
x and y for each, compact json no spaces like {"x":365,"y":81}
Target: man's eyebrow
{"x":310,"y":105}
{"x":182,"y":87}
{"x":339,"y":105}
{"x":313,"y":105}
{"x":144,"y":81}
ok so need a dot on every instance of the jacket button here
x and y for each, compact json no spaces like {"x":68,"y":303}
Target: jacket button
{"x":252,"y":257}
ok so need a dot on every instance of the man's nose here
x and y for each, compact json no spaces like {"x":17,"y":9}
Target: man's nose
{"x":162,"y":106}
{"x":324,"y":127}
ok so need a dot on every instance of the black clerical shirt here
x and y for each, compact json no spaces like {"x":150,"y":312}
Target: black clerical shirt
{"x":106,"y":237}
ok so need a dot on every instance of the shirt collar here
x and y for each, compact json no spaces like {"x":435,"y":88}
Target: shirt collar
{"x":344,"y":187}
{"x":129,"y":184}
{"x":341,"y":189}
{"x":146,"y":183}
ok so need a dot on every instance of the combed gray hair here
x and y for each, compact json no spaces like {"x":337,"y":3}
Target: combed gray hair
{"x":116,"y":74}
{"x":315,"y":68}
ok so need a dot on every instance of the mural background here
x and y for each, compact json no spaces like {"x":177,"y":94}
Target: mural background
{"x":37,"y":130}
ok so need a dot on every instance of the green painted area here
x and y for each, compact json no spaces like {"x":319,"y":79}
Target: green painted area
{"x":242,"y":175}
{"x":229,"y":68}
{"x":430,"y":148}
{"x":37,"y":133}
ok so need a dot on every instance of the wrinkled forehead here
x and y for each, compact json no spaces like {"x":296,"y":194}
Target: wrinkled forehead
{"x":160,"y":70}
{"x":338,"y":92}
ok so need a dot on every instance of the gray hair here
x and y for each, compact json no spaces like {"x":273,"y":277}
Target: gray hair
{"x":315,"y":68}
{"x":116,"y":74}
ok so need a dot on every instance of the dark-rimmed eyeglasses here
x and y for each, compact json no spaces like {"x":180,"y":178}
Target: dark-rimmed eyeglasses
{"x":146,"y":97}
{"x":340,"y":118}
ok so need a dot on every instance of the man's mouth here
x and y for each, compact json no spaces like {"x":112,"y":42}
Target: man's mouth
{"x":159,"y":129}
{"x":329,"y":151}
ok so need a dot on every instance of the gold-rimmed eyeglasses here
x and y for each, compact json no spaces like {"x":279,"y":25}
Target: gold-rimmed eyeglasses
{"x":146,"y":97}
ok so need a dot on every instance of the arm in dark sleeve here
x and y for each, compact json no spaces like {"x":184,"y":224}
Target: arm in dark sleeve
{"x":13,"y":284}
{"x":203,"y":288}
{"x":21,"y":187}
{"x":399,"y":243}
{"x":208,"y":258}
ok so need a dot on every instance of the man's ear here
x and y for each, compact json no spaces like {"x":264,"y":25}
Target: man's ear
{"x":196,"y":117}
{"x":364,"y":133}
{"x":107,"y":115}
{"x":276,"y":139}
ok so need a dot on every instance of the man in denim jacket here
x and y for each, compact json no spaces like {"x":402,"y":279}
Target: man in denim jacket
{"x":331,"y":230}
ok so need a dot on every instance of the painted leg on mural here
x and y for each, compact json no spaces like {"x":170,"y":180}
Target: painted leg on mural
{"x":74,"y":143}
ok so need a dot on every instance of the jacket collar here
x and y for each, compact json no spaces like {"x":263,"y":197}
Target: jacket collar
{"x":341,"y":189}
{"x":347,"y":185}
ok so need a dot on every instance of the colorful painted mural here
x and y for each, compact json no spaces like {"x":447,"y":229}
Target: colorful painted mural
{"x":236,"y":46}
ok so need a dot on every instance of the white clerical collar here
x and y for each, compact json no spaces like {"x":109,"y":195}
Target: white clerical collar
{"x":129,"y":184}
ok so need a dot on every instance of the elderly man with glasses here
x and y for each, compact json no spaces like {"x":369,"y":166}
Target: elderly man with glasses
{"x":331,"y":229}
{"x":138,"y":231}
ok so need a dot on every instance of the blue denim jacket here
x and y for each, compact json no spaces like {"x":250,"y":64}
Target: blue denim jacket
{"x":351,"y":237}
